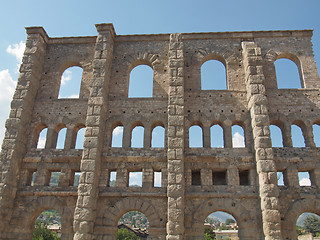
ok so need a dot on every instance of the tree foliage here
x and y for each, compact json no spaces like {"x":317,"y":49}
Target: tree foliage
{"x":41,"y":232}
{"x":312,"y":224}
{"x":209,"y":234}
{"x":125,"y":234}
{"x":229,"y":221}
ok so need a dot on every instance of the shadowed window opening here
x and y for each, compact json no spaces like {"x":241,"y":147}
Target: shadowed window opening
{"x":304,"y":179}
{"x":42,"y":138}
{"x":287,"y":74}
{"x":80,"y":138}
{"x":157,"y":177}
{"x":276,"y":136}
{"x":195,"y":137}
{"x":213,"y":76}
{"x":54,"y":179}
{"x":137,"y":137}
{"x":244,"y":177}
{"x":135,"y":179}
{"x":297,"y":136}
{"x":141,"y":82}
{"x":157,"y":140}
{"x":216,"y":135}
{"x":31,"y":177}
{"x":117,"y":136}
{"x":61,"y":138}
{"x":70,"y":83}
{"x":219,"y":177}
{"x":112,"y":179}
{"x":196,"y":177}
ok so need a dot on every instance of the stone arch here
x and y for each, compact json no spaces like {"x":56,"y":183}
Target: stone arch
{"x":246,"y":218}
{"x":142,"y":58}
{"x":36,"y":132}
{"x":294,"y":211}
{"x":75,"y":132}
{"x":112,"y":127}
{"x":113,"y":214}
{"x":35,"y":207}
{"x":158,"y":123}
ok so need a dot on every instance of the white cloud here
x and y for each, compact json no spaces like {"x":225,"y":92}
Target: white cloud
{"x":117,"y":131}
{"x":41,"y":142}
{"x":305,"y":182}
{"x":66,"y":77}
{"x":238,"y":140}
{"x":17,"y":50}
{"x":7,"y":85}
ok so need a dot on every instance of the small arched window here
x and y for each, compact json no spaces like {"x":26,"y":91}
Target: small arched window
{"x":141,"y":82}
{"x":80,"y":138}
{"x":276,"y":136}
{"x":61,"y":138}
{"x":297,"y":136}
{"x":137,"y":136}
{"x":195,"y":137}
{"x":70,"y":83}
{"x":316,"y":134}
{"x":157,"y":139}
{"x":287,"y":73}
{"x":42,"y":138}
{"x":117,"y":136}
{"x":213,"y":75}
{"x":238,"y":138}
{"x":216,"y":135}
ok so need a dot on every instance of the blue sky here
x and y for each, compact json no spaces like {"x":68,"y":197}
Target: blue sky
{"x":77,"y":18}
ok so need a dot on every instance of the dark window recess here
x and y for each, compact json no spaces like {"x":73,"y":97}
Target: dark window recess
{"x":196,"y":178}
{"x":244,"y":177}
{"x":219,"y":178}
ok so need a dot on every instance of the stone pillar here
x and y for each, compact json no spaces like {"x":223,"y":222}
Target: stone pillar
{"x":206,"y":137}
{"x":286,"y":134}
{"x":85,"y":212}
{"x":176,"y":181}
{"x":266,"y":168}
{"x":71,"y":136}
{"x":147,"y":178}
{"x":233,"y":176}
{"x":52,"y":136}
{"x":14,"y":143}
{"x":227,"y":135}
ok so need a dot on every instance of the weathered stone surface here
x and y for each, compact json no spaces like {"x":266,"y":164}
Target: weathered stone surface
{"x":194,"y":181}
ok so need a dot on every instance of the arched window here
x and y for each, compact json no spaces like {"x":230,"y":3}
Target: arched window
{"x":117,"y":136}
{"x":132,"y":220}
{"x":141,"y":82}
{"x":308,"y":223}
{"x":276,"y":136}
{"x":41,"y":226}
{"x":157,"y":140}
{"x":70,"y":83}
{"x":218,"y":221}
{"x":287,"y":74}
{"x":213,"y":75}
{"x":137,"y":136}
{"x":80,"y":138}
{"x":238,"y":140}
{"x":297,"y":136}
{"x":61,"y":138}
{"x":216,"y":135}
{"x":42,"y":138}
{"x":316,"y":134}
{"x":195,"y":137}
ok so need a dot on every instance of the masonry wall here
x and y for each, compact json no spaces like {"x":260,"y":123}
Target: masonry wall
{"x":178,"y":208}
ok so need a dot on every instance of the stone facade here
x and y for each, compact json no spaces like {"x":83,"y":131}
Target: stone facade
{"x":178,"y":208}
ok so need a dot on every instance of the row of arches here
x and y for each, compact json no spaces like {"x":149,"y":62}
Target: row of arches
{"x":60,"y":136}
{"x":213,"y":77}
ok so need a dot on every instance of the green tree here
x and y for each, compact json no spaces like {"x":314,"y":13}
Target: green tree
{"x":229,"y":220}
{"x":312,"y":224}
{"x":41,"y":232}
{"x":125,"y":234}
{"x":299,"y":230}
{"x":209,"y":234}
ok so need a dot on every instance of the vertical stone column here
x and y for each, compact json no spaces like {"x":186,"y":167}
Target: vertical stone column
{"x":266,"y":168}
{"x":14,"y":143}
{"x":88,"y":190}
{"x":176,"y":181}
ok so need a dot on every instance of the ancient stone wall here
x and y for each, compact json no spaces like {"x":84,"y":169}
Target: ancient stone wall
{"x":189,"y":192}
